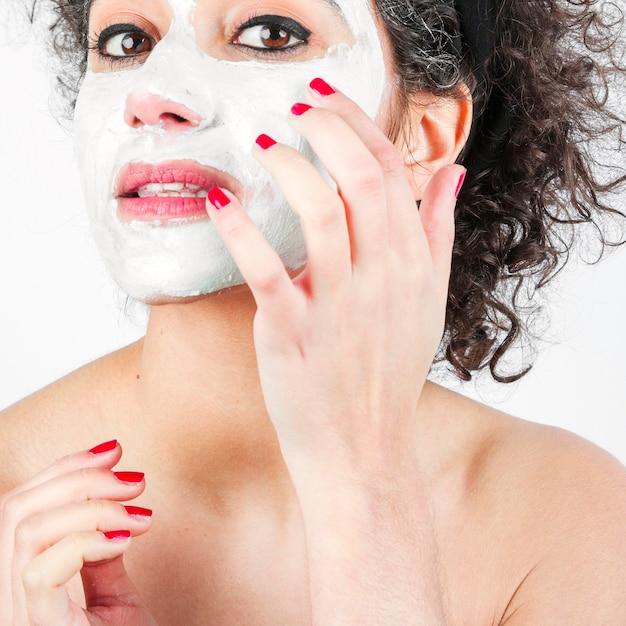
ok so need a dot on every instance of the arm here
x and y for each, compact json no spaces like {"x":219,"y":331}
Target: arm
{"x":343,"y":352}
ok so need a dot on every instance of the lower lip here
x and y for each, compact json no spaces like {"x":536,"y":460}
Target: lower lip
{"x":161,"y":209}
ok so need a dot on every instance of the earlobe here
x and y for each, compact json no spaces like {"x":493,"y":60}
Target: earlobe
{"x":434,"y":136}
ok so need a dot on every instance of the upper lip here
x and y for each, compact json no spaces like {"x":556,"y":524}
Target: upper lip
{"x":135,"y":175}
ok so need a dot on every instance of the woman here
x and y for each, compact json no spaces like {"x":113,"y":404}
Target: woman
{"x":300,"y":466}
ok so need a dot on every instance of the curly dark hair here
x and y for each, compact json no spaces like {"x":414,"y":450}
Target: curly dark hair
{"x":526,"y":189}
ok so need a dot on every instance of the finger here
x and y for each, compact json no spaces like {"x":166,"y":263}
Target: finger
{"x":257,"y":261}
{"x":45,"y":577}
{"x":107,"y":583}
{"x":358,"y":175}
{"x":321,"y":211}
{"x":404,"y":229}
{"x":106,"y":455}
{"x":437,"y":217}
{"x":22,"y":501}
{"x":78,"y":486}
{"x":37,"y":533}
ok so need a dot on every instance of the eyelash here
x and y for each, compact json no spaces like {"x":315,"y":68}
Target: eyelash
{"x":98,"y":43}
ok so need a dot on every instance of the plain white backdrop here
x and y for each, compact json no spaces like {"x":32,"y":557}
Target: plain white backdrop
{"x":59,"y":309}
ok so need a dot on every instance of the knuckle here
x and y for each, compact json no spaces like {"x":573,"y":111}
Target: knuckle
{"x":10,"y":507}
{"x":25,"y":532}
{"x":389,"y":159}
{"x":33,"y":578}
{"x":367,"y":178}
{"x":235,"y":230}
{"x":269,"y":281}
{"x":328,"y":212}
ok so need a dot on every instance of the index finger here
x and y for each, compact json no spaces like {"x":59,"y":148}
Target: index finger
{"x":105,"y":455}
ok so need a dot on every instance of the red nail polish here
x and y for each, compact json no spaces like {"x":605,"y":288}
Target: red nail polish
{"x":107,"y":446}
{"x":265,"y":141}
{"x":138,"y":511}
{"x":300,"y":108}
{"x":218,"y":198}
{"x":321,"y":87}
{"x":460,"y":184}
{"x":129,"y":477}
{"x":117,"y":535}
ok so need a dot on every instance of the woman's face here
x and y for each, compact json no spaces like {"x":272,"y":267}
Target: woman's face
{"x":175,"y":95}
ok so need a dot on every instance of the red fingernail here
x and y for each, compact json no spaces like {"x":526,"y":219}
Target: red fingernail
{"x":117,"y":535}
{"x":265,"y":141}
{"x":107,"y":446}
{"x":138,"y":511}
{"x":299,"y":108}
{"x":129,"y":477}
{"x":321,"y":87}
{"x":218,"y":198}
{"x":460,"y":184}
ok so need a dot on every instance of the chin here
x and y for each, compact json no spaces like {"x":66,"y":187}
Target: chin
{"x":161,"y":300}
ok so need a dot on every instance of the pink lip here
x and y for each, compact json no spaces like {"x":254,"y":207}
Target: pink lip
{"x":157,"y":208}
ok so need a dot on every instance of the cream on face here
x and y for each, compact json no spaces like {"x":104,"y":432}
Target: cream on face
{"x":232,"y":102}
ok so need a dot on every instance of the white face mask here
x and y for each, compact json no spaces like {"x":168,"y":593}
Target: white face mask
{"x":234,"y":102}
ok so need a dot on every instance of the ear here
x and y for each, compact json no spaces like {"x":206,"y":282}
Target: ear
{"x":433,"y":136}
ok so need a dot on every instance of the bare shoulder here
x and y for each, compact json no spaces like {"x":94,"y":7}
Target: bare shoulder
{"x":579,"y":574}
{"x":555,"y":508}
{"x":60,"y":418}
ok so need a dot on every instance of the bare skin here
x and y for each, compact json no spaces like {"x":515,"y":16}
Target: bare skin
{"x":300,"y":467}
{"x":525,"y":515}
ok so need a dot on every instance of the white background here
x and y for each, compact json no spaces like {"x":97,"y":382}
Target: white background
{"x":59,"y":310}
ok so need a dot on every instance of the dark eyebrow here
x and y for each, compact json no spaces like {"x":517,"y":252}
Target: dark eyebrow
{"x":331,"y":3}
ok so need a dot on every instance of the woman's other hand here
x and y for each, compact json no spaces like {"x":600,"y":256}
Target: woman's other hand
{"x":343,"y":352}
{"x":69,"y":520}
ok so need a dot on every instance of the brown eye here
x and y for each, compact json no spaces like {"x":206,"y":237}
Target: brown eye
{"x":127,"y":44}
{"x":274,"y":37}
{"x":136,"y":44}
{"x":270,"y":33}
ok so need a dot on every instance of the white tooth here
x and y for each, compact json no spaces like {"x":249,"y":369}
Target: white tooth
{"x":148,"y":190}
{"x":169,"y":190}
{"x":203,"y":193}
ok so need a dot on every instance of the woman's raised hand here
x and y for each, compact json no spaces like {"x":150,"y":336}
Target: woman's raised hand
{"x":344,"y":348}
{"x":69,"y":520}
{"x":343,"y":352}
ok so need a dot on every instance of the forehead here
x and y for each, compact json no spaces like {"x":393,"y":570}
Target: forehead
{"x":350,"y":11}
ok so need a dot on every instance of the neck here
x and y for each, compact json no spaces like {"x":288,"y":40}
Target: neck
{"x":198,"y":398}
{"x":198,"y":390}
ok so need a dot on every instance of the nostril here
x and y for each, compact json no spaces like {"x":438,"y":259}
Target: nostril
{"x":170,"y":119}
{"x":147,"y":109}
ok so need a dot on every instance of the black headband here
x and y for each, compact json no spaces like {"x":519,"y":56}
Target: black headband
{"x":492,"y":114}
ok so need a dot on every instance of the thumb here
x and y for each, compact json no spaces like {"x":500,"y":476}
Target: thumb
{"x":437,"y":217}
{"x":107,"y":583}
{"x":111,"y":596}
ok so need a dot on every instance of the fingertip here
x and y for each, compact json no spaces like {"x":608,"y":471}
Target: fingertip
{"x":320,"y":88}
{"x":454,"y":177}
{"x":265,"y":142}
{"x":460,"y":182}
{"x":104,"y":448}
{"x":218,"y":198}
{"x":117,"y":535}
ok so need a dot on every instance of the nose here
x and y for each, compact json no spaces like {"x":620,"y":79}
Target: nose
{"x":148,"y":109}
